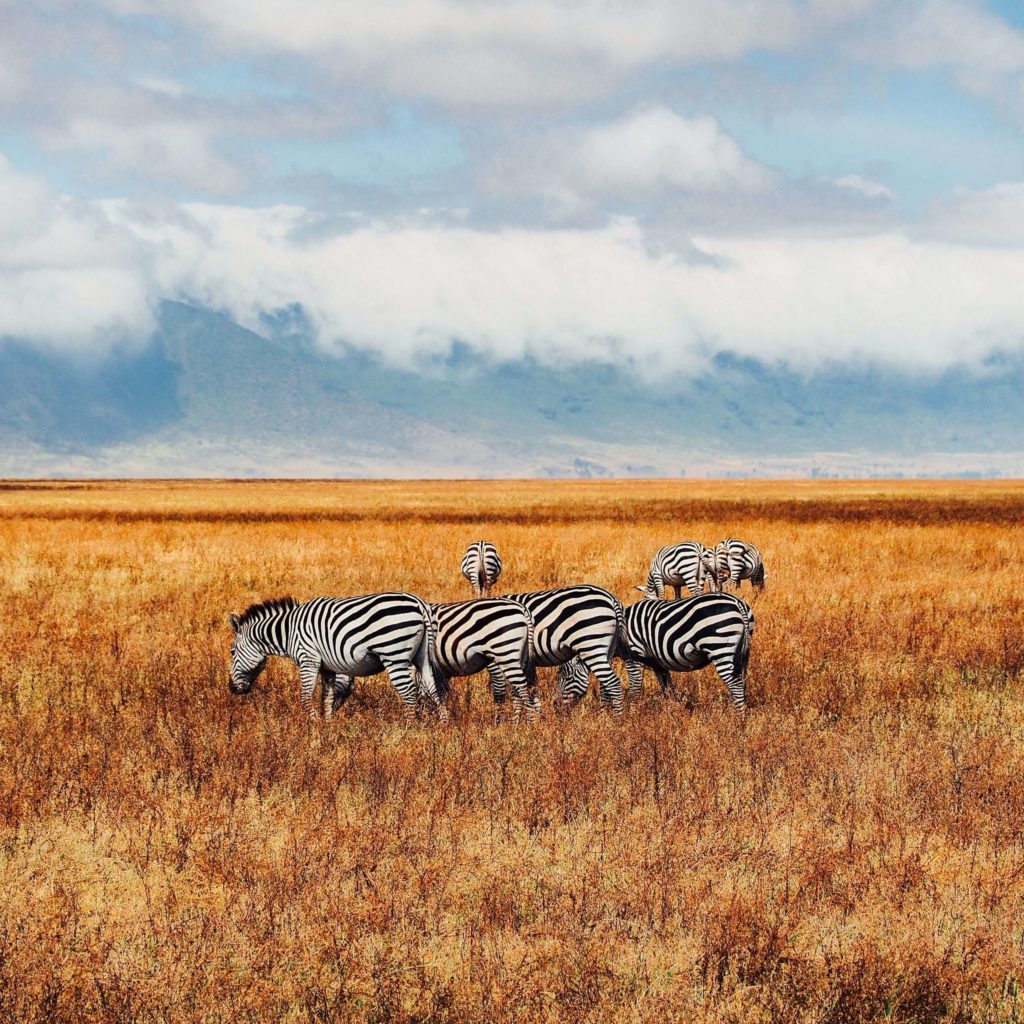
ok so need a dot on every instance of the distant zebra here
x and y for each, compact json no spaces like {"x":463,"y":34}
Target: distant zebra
{"x":682,"y":636}
{"x":686,"y":564}
{"x":338,"y":639}
{"x":583,"y":621}
{"x":481,"y":565}
{"x":736,"y":560}
{"x":493,"y":634}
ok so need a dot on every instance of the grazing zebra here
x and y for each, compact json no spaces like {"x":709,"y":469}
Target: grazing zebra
{"x":682,"y":636}
{"x":679,"y":565}
{"x":493,"y":634}
{"x":583,"y":621}
{"x":736,"y":560}
{"x":338,"y":639}
{"x":481,"y":565}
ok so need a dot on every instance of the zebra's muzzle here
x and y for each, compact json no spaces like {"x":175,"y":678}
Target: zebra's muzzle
{"x":239,"y":685}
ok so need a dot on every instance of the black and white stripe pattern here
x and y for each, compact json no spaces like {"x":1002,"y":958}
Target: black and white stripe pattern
{"x":492,"y":634}
{"x":679,"y":565}
{"x":481,"y":565}
{"x":736,"y":560}
{"x":682,"y":636}
{"x":338,"y":639}
{"x":582,"y":621}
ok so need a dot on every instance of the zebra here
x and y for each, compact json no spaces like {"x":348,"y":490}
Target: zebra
{"x":581,"y":621}
{"x":686,"y":564}
{"x":736,"y":560}
{"x":338,"y":639}
{"x":492,"y":633}
{"x":681,"y":636}
{"x":481,"y":565}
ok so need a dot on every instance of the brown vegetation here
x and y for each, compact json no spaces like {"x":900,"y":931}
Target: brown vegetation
{"x":854,"y":851}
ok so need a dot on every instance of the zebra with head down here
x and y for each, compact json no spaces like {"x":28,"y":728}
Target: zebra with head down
{"x":688,"y":564}
{"x":337,"y":639}
{"x":736,"y":560}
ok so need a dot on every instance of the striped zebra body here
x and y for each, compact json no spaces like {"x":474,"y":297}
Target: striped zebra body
{"x":679,"y":565}
{"x":493,"y":634}
{"x":683,"y":636}
{"x":735,"y":560}
{"x":337,"y":639}
{"x":481,"y":565}
{"x":584,"y":622}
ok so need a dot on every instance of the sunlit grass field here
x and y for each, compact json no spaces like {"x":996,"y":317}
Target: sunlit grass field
{"x":853,"y":851}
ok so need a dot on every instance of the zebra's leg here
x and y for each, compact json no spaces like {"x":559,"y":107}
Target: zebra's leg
{"x":510,"y":679}
{"x":635,"y":676}
{"x":736,"y":685}
{"x":309,"y":670}
{"x":678,"y":589}
{"x":342,"y":690}
{"x":522,"y":700}
{"x":608,"y":682}
{"x":327,"y":684}
{"x":499,"y":689}
{"x":406,"y":685}
{"x":664,"y":678}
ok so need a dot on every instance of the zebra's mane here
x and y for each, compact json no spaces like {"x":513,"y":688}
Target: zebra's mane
{"x":259,"y":610}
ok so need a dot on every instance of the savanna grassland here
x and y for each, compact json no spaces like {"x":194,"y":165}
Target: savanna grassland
{"x":854,"y":851}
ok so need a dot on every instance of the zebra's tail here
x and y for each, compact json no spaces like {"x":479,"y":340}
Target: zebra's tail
{"x":742,"y":656}
{"x":530,"y":668}
{"x":423,"y":659}
{"x":621,"y":647}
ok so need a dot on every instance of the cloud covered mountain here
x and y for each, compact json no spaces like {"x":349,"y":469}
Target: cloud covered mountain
{"x":205,"y":396}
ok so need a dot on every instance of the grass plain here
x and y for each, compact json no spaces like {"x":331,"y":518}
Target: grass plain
{"x":854,"y":851}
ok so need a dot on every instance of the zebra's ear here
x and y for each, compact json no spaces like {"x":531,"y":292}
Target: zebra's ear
{"x":233,"y":619}
{"x":643,"y":590}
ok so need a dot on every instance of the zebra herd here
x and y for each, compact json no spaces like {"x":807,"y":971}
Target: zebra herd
{"x":578,"y":629}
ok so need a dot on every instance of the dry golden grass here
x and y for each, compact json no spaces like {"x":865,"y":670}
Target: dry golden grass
{"x":168,"y":852}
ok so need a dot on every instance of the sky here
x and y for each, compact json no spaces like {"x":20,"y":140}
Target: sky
{"x":647,"y":182}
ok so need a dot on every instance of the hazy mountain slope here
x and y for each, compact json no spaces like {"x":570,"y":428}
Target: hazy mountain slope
{"x":205,"y":395}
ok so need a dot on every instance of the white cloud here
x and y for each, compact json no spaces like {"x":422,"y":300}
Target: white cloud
{"x":649,"y":153}
{"x":502,"y":52}
{"x":167,"y":149}
{"x":78,"y":275}
{"x":656,"y":149}
{"x":992,"y":216}
{"x":865,"y":186}
{"x":984,"y":51}
{"x":68,"y":277}
{"x":963,"y":35}
{"x":572,"y":295}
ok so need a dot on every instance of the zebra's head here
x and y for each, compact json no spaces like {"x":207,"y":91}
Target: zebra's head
{"x":248,"y":657}
{"x":573,"y":681}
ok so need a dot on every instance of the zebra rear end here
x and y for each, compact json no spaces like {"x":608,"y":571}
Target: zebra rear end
{"x":481,"y":566}
{"x":683,"y":636}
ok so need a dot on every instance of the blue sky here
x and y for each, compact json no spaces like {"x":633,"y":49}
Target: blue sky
{"x":791,"y":179}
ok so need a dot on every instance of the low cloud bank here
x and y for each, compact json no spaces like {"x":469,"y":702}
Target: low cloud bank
{"x":83,"y":275}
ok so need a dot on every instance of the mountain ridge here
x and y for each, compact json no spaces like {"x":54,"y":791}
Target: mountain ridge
{"x":205,"y":396}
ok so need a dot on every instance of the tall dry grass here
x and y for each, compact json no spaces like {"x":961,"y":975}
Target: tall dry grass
{"x":168,"y":852}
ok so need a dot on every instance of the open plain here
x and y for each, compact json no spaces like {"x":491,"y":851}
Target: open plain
{"x":853,"y":851}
